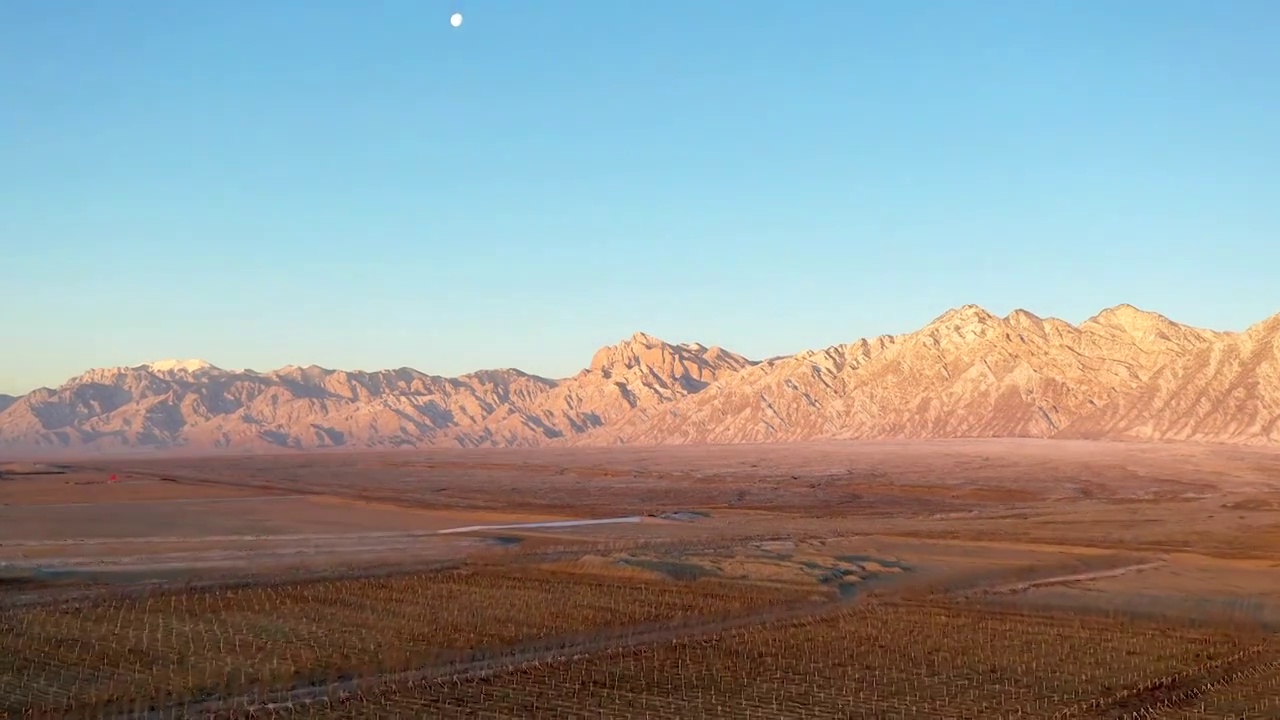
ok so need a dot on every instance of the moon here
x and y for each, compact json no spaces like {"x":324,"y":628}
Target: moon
{"x":455,"y":19}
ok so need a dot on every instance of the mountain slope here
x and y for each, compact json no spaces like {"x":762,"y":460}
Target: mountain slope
{"x":1228,"y":391}
{"x":195,"y":405}
{"x":1123,"y":374}
{"x":164,"y":407}
{"x":966,"y":374}
{"x":636,"y":376}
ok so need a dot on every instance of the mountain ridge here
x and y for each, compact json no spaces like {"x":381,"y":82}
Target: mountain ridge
{"x":1124,"y":373}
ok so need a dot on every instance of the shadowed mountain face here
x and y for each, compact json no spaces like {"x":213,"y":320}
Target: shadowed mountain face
{"x":1122,"y":374}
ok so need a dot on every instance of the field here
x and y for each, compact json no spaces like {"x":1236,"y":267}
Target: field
{"x":185,"y":646}
{"x":952,"y":579}
{"x":960,"y":663}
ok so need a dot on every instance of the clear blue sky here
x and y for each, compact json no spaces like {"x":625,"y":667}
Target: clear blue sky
{"x":360,"y":185}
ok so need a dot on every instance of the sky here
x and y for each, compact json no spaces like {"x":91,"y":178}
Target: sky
{"x":360,"y":185}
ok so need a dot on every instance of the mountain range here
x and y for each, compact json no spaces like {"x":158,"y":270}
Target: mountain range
{"x":1124,"y":374}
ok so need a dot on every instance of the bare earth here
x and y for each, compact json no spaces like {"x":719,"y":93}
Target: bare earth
{"x":953,"y":503}
{"x":1184,"y":532}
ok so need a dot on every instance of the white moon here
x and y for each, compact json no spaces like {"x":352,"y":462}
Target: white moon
{"x":455,"y":19}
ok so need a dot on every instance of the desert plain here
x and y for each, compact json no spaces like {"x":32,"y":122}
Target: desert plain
{"x":879,"y":579}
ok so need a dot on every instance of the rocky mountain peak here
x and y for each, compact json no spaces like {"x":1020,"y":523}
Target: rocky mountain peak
{"x":1125,"y":373}
{"x":1024,"y":318}
{"x":641,"y":350}
{"x":1128,"y":318}
{"x":644,"y":339}
{"x":963,"y":324}
{"x":965,"y":314}
{"x":1267,"y":329}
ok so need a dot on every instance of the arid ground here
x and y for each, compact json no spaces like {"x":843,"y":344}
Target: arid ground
{"x":1023,"y":577}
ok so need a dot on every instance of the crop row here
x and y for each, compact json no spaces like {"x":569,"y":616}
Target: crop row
{"x":1248,"y":692}
{"x":872,"y":661}
{"x":180,"y":647}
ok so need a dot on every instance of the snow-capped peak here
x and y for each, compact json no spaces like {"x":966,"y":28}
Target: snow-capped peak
{"x":179,"y":365}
